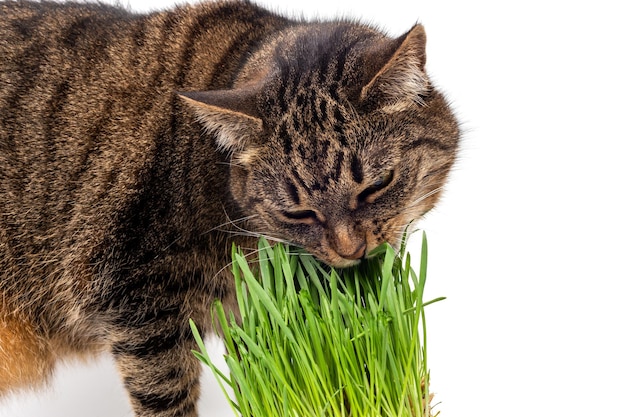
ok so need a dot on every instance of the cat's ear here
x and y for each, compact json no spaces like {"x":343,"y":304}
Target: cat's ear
{"x":400,"y":77}
{"x":230,"y":114}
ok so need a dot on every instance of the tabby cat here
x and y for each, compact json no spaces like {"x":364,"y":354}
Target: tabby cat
{"x":136,"y":148}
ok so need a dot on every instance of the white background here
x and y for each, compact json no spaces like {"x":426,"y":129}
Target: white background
{"x":527,"y":244}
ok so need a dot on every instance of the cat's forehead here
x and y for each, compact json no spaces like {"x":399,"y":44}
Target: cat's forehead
{"x":333,"y":149}
{"x":316,"y":127}
{"x":325,"y":50}
{"x":318,"y":70}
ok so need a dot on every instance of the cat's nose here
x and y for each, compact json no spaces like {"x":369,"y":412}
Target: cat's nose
{"x":348,"y":242}
{"x":357,"y":254}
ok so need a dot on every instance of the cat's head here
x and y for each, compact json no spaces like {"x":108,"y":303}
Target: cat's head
{"x":337,"y":139}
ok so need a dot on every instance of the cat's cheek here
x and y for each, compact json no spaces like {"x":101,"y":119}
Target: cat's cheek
{"x":395,"y":230}
{"x":239,"y":186}
{"x":374,"y":242}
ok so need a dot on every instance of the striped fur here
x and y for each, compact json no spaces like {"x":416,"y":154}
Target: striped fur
{"x":135,"y":148}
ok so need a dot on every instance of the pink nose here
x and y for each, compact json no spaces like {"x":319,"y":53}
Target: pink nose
{"x":347,"y":241}
{"x":357,"y":254}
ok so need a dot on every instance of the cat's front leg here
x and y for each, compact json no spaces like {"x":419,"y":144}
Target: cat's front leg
{"x":159,"y":372}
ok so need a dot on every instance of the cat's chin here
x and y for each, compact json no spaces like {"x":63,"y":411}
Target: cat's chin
{"x":341,"y":263}
{"x":334,"y":260}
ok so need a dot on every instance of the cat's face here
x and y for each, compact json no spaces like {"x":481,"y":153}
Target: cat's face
{"x":341,"y":194}
{"x":334,"y":170}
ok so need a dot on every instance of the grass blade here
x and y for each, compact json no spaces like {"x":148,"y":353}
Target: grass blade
{"x":315,"y":341}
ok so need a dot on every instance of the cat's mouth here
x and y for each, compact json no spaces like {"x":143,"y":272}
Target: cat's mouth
{"x":335,"y":259}
{"x":332,"y":258}
{"x":343,"y":263}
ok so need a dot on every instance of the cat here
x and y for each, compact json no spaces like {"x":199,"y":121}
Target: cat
{"x":135,"y":149}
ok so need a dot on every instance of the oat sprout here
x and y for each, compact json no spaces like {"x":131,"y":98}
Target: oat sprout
{"x":316,"y":341}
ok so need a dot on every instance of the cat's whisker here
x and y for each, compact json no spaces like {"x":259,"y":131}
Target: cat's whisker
{"x":216,"y":228}
{"x":403,"y":229}
{"x":420,"y":199}
{"x":230,"y":164}
{"x":276,"y":239}
{"x":248,"y":233}
{"x":410,"y":226}
{"x":257,"y":235}
{"x":247,"y":254}
{"x":231,"y":223}
{"x":240,"y":231}
{"x":234,"y":222}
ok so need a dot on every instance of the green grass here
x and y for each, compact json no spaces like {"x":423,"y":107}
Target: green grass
{"x":315,"y":341}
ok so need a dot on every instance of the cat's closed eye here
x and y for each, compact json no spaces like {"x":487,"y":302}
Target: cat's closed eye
{"x":385,"y":178}
{"x":301,"y":216}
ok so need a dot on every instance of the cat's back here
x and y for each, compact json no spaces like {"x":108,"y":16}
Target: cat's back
{"x":88,"y":110}
{"x":30,"y":28}
{"x":55,"y":57}
{"x":88,"y":90}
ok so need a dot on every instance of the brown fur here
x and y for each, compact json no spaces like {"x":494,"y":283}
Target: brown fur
{"x":134,"y":149}
{"x":24,"y":360}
